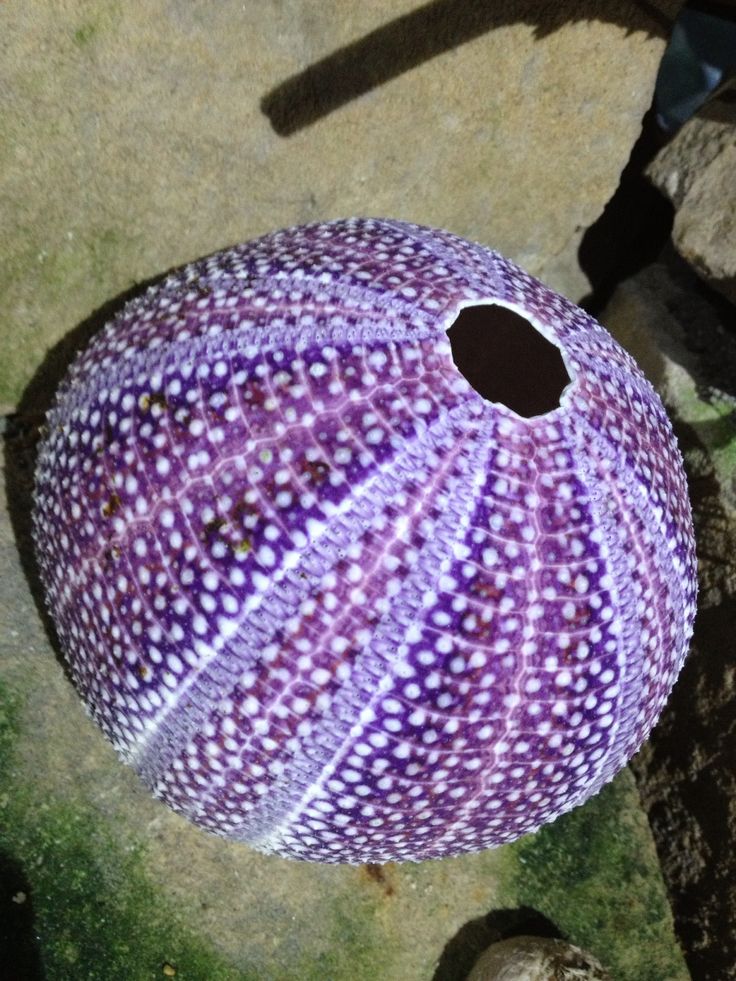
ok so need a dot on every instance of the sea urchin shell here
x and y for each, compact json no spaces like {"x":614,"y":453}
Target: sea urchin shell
{"x":324,"y":595}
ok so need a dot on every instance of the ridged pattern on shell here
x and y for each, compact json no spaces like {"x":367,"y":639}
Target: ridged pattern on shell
{"x":325,"y":597}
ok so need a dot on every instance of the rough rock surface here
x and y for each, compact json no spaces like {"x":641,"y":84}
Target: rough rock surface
{"x":134,"y":137}
{"x":536,"y":959}
{"x":686,"y":775}
{"x":696,"y":171}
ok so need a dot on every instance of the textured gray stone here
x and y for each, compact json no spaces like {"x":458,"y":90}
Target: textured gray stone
{"x":697,"y":171}
{"x":685,"y":771}
{"x":536,"y":959}
{"x":133,"y":137}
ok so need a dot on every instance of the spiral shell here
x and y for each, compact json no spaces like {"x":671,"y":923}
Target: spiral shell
{"x":325,"y":596}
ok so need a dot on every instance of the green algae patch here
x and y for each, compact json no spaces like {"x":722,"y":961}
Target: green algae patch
{"x":354,"y":949}
{"x":98,"y":912}
{"x":594,"y":874}
{"x":84,"y":34}
{"x":95,"y":912}
{"x":97,"y":915}
{"x":9,"y":722}
{"x":713,"y":421}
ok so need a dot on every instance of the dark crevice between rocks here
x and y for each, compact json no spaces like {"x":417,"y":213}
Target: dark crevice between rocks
{"x":464,"y":949}
{"x":708,"y":320}
{"x":634,"y":227}
{"x":685,"y":771}
{"x":20,"y":958}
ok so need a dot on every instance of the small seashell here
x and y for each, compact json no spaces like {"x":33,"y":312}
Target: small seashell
{"x":325,"y":595}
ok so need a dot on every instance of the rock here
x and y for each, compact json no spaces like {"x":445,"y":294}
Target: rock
{"x":536,"y":959}
{"x":685,"y":771}
{"x":696,"y":171}
{"x":139,"y":136}
{"x":688,"y":353}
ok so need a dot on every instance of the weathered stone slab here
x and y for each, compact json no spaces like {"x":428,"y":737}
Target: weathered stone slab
{"x":697,"y":171}
{"x":686,"y":770}
{"x":135,"y":137}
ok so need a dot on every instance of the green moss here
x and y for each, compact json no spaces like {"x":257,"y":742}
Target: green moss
{"x":717,"y":432}
{"x":84,"y":34}
{"x":593,"y":872}
{"x":354,"y":948}
{"x":9,"y":713}
{"x":96,"y":913}
{"x":101,"y":20}
{"x":713,"y":420}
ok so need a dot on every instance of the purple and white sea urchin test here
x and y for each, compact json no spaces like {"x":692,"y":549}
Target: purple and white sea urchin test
{"x":330,"y":599}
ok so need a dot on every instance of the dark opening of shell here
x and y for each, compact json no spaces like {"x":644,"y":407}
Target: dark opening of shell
{"x":507,"y":360}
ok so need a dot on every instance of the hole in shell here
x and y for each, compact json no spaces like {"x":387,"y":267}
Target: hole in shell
{"x":507,"y":360}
